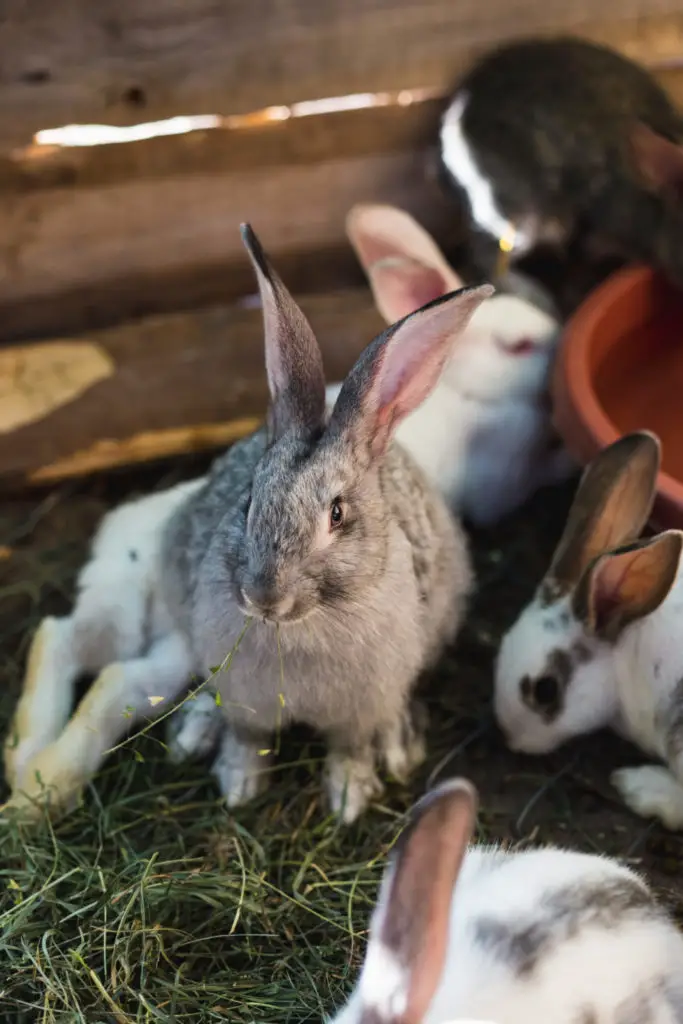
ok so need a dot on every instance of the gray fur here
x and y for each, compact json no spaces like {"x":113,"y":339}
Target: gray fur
{"x":660,"y":999}
{"x":563,"y":915}
{"x":371,"y":607}
{"x":560,"y":666}
{"x":672,"y":722}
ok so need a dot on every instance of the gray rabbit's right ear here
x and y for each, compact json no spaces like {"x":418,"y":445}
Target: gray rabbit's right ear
{"x":410,"y":930}
{"x":294,"y":365}
{"x":398,"y":370}
{"x":611,"y":507}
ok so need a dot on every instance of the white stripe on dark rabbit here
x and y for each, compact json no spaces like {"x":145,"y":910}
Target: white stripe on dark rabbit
{"x":591,"y":166}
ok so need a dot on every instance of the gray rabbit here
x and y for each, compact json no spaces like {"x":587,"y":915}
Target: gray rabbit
{"x":319,"y":545}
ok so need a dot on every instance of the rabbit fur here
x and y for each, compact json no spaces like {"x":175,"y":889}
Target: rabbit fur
{"x":482,"y":934}
{"x":360,"y":611}
{"x":598,"y":646}
{"x":562,"y":143}
{"x":483,"y":436}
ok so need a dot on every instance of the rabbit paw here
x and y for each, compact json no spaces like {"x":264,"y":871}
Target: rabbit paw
{"x":193,"y":729}
{"x":651,"y":792}
{"x":240,"y":769}
{"x":351,"y":784}
{"x":403,"y":747}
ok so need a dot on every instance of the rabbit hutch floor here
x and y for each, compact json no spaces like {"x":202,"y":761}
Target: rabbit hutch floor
{"x":152,"y":902}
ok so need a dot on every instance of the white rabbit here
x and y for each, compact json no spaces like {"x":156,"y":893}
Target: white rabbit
{"x":541,"y":936}
{"x":484,"y":436}
{"x":116,"y":618}
{"x":600,"y":644}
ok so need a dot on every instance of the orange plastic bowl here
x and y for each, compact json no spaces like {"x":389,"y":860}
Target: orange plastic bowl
{"x":620,"y":368}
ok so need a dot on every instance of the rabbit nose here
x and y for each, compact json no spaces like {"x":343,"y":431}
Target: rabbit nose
{"x":261,"y":599}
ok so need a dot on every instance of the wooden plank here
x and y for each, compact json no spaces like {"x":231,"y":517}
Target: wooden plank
{"x":241,"y":144}
{"x":108,"y":246}
{"x":133,"y":60}
{"x":177,"y":383}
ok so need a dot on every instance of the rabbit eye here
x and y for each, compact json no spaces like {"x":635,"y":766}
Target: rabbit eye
{"x":336,"y":514}
{"x":546,"y":691}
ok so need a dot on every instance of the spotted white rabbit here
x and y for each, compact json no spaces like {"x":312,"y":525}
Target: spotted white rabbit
{"x":484,"y":435}
{"x":528,"y":937}
{"x":599,"y":645}
{"x":326,"y":540}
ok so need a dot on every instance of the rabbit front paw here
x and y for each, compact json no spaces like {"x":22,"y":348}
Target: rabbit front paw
{"x":651,"y":791}
{"x":193,"y":729}
{"x":241,"y":769}
{"x":351,"y":784}
{"x":402,"y":747}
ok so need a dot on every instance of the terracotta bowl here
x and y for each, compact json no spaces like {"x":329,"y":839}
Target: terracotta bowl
{"x":620,"y":368}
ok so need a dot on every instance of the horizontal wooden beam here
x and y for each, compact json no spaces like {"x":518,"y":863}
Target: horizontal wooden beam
{"x":153,"y":227}
{"x":135,"y":60}
{"x":153,"y":388}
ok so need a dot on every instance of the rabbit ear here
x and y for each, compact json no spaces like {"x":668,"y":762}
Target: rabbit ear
{"x":399,"y":369}
{"x":627,"y":584}
{"x":658,"y":161}
{"x":410,"y":931}
{"x":404,"y":265}
{"x":293,"y":361}
{"x":611,"y":507}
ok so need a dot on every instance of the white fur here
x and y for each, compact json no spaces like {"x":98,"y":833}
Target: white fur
{"x":628,"y":687}
{"x":482,"y":436}
{"x":118,"y":628}
{"x":595,"y":969}
{"x":458,"y":157}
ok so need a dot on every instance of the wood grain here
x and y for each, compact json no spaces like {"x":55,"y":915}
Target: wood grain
{"x":72,"y":258}
{"x":124,"y":61}
{"x":183,"y":382}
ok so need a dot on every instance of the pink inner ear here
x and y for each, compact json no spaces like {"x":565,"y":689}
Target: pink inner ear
{"x":407,"y":285}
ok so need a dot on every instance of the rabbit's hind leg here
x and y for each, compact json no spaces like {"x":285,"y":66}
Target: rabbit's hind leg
{"x":47,"y":694}
{"x":123,"y":693}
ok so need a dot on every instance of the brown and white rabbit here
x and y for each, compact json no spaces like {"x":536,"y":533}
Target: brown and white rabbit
{"x":323,"y":534}
{"x":531,"y":937}
{"x":555,"y":142}
{"x":600,"y":644}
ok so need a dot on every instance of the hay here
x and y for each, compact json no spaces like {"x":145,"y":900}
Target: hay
{"x":151,"y":902}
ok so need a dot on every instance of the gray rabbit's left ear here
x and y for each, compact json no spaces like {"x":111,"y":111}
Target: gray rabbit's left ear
{"x":293,"y":361}
{"x":399,"y":369}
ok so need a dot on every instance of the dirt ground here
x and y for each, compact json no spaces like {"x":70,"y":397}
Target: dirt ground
{"x":564,"y":798}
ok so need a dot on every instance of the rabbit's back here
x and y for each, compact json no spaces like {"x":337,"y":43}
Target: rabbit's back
{"x":561,"y":104}
{"x":556,"y":935}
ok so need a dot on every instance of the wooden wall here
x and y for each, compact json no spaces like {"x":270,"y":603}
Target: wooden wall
{"x":91,"y":237}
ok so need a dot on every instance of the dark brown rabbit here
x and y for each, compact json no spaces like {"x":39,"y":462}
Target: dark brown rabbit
{"x":557,"y":143}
